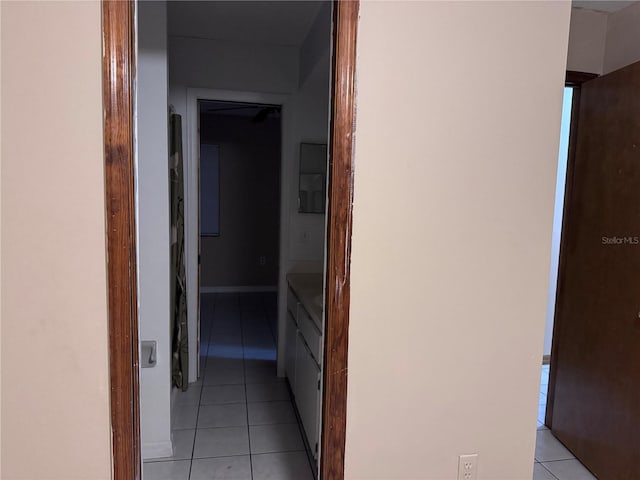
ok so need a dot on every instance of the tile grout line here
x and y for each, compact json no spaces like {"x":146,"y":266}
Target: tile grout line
{"x":269,"y":425}
{"x":244,"y":374}
{"x":550,"y":472}
{"x":559,"y":460}
{"x":195,"y":433}
{"x":224,"y":456}
{"x":264,"y":311}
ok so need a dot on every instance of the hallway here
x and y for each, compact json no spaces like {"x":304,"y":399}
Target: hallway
{"x":237,"y":421}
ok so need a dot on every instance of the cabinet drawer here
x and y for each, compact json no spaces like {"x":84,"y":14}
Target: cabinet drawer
{"x":291,"y":337}
{"x":311,"y":334}
{"x":292,"y":303}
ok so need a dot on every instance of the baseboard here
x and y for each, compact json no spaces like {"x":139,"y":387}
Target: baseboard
{"x":157,"y":450}
{"x":240,"y":289}
{"x":546,"y":359}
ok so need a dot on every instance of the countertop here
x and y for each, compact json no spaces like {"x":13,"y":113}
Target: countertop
{"x":308,"y":287}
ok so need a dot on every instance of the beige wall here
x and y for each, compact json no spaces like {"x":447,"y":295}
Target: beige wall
{"x":586,"y":40}
{"x":623,"y":38}
{"x":153,"y":226}
{"x":55,"y":388}
{"x":249,"y":202}
{"x":602,"y":42}
{"x":458,"y":123}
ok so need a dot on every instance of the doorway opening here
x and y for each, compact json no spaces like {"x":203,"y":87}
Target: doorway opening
{"x":592,"y":401}
{"x":258,"y":220}
{"x":551,"y":457}
{"x":239,"y":202}
{"x":119,"y":64}
{"x":239,"y":416}
{"x":239,"y":196}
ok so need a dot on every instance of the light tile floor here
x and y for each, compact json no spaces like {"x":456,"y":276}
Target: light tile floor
{"x":237,"y":422}
{"x":552,"y":460}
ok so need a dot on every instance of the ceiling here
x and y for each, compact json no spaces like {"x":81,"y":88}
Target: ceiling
{"x":607,"y":6}
{"x":283,"y":23}
{"x":275,"y":23}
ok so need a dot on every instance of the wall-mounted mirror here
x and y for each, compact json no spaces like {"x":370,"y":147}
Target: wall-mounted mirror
{"x":313,"y":178}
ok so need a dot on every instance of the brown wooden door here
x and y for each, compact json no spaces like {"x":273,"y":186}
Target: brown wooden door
{"x":594,"y":397}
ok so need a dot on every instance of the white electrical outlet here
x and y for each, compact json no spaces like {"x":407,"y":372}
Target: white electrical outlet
{"x":468,"y":467}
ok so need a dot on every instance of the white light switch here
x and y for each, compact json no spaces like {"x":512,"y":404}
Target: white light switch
{"x":148,"y":352}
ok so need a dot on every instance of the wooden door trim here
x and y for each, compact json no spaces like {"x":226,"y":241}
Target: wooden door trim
{"x":339,"y":221}
{"x":118,"y":64}
{"x":573,"y":79}
{"x":118,"y":75}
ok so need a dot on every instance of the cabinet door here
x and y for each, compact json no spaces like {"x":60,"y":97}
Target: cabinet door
{"x":307,"y":392}
{"x":312,"y":336}
{"x":290,"y":351}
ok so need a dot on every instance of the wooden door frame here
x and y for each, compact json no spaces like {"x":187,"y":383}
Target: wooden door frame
{"x":118,"y":76}
{"x":118,"y":64}
{"x":575,"y":80}
{"x":339,"y":221}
